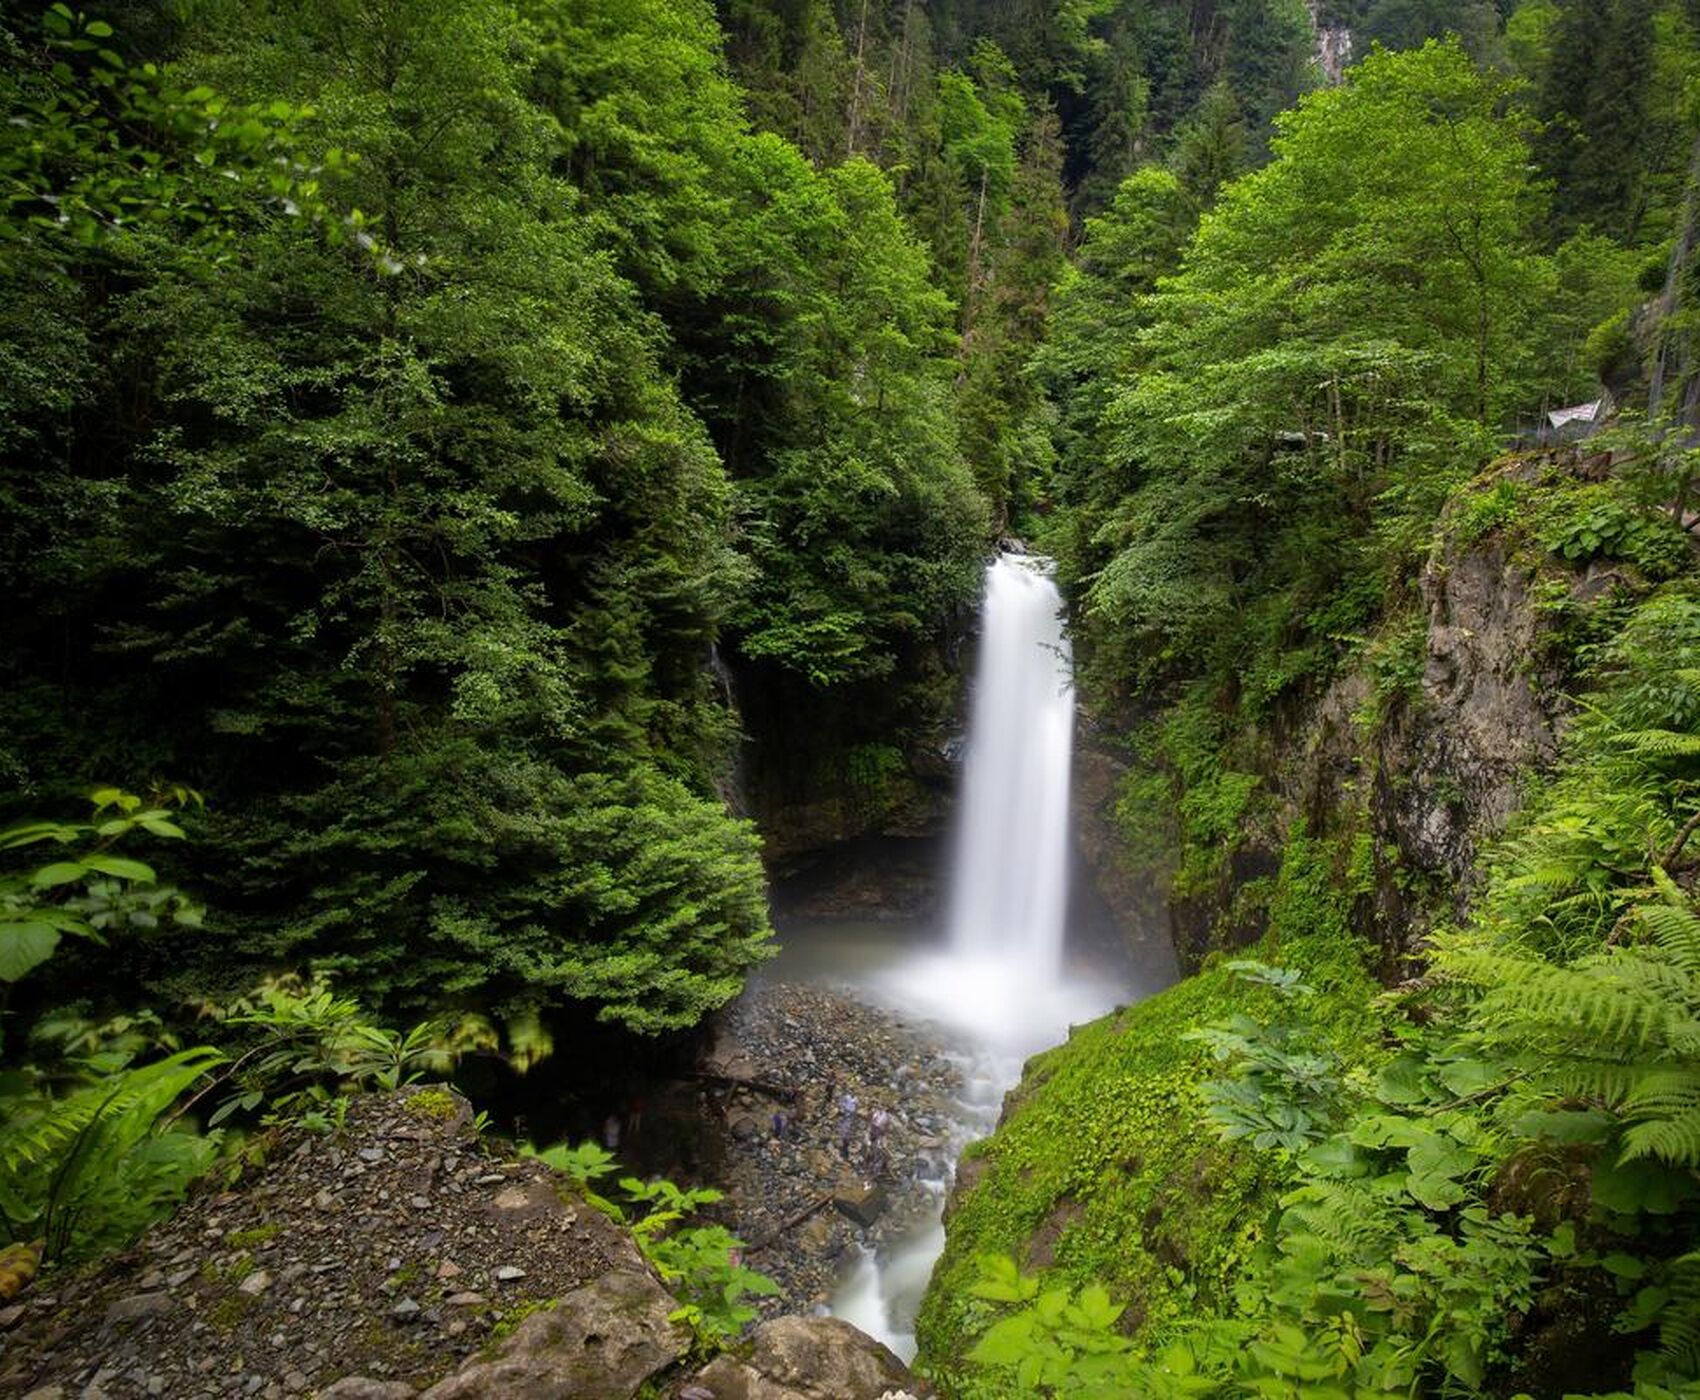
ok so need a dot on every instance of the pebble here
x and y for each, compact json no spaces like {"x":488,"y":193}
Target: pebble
{"x":509,"y":1273}
{"x":255,"y":1284}
{"x":142,"y":1305}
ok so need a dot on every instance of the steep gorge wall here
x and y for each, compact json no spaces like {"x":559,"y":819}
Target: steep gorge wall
{"x":1426,"y":770}
{"x":852,"y":789}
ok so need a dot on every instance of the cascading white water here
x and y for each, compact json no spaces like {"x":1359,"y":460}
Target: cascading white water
{"x":1000,"y":978}
{"x":1010,"y":882}
{"x":999,"y":985}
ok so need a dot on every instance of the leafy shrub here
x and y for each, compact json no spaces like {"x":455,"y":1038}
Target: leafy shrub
{"x":90,"y":1169}
{"x":90,"y":891}
{"x":1477,"y":514}
{"x":702,"y":1264}
{"x":1600,"y":522}
{"x":304,"y":1049}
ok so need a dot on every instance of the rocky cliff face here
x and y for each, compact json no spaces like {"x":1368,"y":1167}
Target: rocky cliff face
{"x":397,"y":1258}
{"x":1333,"y":43}
{"x":1137,"y":900}
{"x":1429,"y":770}
{"x":871,"y":762}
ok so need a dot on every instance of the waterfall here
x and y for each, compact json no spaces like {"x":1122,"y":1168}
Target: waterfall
{"x":1010,"y":879}
{"x":996,"y":988}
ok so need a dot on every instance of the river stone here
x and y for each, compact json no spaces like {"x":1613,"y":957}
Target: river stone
{"x":862,"y":1202}
{"x":141,"y":1305}
{"x":806,"y":1358}
{"x":599,"y":1342}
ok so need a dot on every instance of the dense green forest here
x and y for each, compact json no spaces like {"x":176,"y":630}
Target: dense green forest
{"x":441,"y":440}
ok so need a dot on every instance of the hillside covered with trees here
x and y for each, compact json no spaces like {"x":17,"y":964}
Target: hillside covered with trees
{"x":472,"y":472}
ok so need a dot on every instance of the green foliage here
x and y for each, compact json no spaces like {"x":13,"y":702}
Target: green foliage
{"x":1605,"y":521}
{"x":1110,"y":1155}
{"x":454,"y":537}
{"x":88,"y":892}
{"x":1282,"y":1090}
{"x":89,"y":1169}
{"x":700,"y":1263}
{"x":1295,"y":406}
{"x":1530,"y":1138}
{"x":1616,"y":152}
{"x":301,"y":1049}
{"x":94,"y":144}
{"x":1061,"y":1342}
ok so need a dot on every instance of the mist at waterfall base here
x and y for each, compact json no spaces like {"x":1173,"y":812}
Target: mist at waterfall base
{"x":1001,"y":980}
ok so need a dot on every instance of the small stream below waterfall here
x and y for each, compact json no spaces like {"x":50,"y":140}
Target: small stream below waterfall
{"x":976,"y":1021}
{"x":1002,"y":978}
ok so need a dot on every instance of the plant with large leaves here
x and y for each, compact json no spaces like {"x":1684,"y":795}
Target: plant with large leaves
{"x":89,"y":891}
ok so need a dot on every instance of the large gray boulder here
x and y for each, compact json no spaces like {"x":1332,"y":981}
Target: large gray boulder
{"x":806,"y":1358}
{"x":603,"y":1340}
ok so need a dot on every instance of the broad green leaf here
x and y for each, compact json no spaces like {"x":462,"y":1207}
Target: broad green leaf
{"x":61,"y":872}
{"x":121,"y":868}
{"x":1006,"y":1341}
{"x":1467,"y":1077}
{"x":25,"y":945}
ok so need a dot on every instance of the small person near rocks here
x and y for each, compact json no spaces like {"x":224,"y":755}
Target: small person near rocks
{"x":847,"y":1109}
{"x":879,"y":1124}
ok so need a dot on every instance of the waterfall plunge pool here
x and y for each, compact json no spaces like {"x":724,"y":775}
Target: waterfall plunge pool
{"x":987,"y":1021}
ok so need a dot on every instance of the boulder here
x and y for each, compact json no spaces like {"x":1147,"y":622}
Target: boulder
{"x":861,"y":1201}
{"x":360,"y":1388}
{"x":599,"y":1342}
{"x":806,"y":1358}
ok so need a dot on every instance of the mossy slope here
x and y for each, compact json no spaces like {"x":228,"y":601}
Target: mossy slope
{"x":1104,"y":1168}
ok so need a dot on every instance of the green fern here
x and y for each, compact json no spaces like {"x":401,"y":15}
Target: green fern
{"x":94,"y":1167}
{"x":1661,"y":745}
{"x":1353,"y":1218}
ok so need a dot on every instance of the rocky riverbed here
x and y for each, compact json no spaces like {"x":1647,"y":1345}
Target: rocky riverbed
{"x":392,"y":1249}
{"x":402,"y":1248}
{"x":783,"y":1057}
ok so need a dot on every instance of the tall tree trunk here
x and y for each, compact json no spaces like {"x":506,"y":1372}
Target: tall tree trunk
{"x":855,"y":131}
{"x":974,"y":243}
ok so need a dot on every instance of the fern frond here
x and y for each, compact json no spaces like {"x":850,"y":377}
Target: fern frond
{"x":1661,"y":744}
{"x":1594,"y":1081}
{"x":1350,"y":1217}
{"x":1663,"y":1092}
{"x":1679,"y":1322}
{"x":66,"y":1159}
{"x":1674,"y":1139}
{"x":1675,"y":932}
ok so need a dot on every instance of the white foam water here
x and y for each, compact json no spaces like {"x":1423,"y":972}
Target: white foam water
{"x":997,"y":990}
